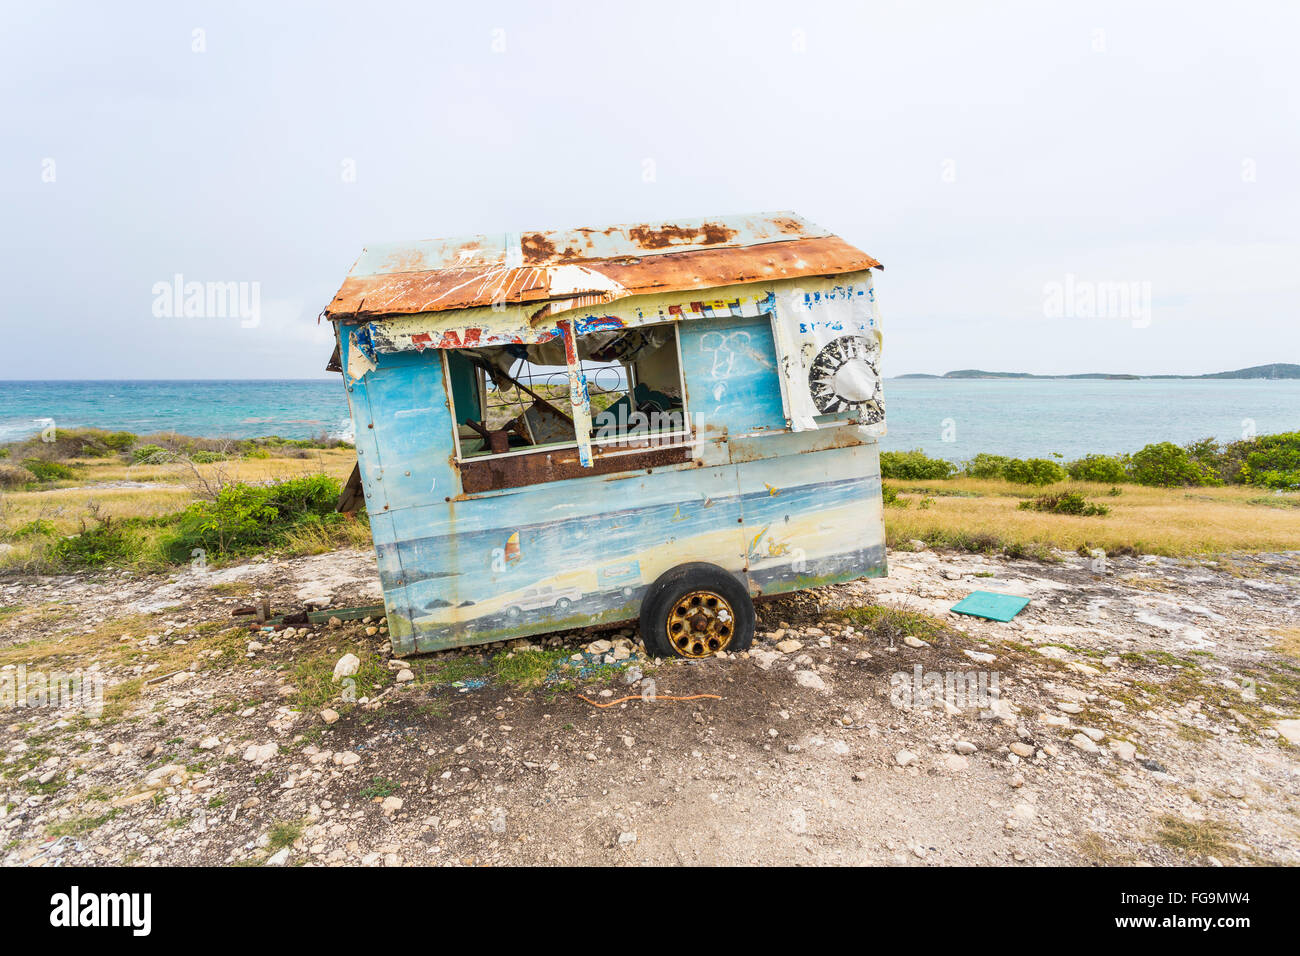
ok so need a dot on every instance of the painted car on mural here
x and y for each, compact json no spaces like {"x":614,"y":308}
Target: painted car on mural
{"x":651,"y":422}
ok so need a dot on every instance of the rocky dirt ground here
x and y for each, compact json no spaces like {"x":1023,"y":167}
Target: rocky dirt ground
{"x":1137,"y":712}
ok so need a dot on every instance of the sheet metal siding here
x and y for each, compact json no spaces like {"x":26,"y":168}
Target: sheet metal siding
{"x":403,"y":437}
{"x":586,"y":552}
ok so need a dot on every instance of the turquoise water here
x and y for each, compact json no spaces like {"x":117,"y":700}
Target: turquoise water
{"x":1037,"y":418}
{"x":1004,"y":417}
{"x":214,"y":409}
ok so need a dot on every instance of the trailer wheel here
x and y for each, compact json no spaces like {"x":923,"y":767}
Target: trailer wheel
{"x":695,"y":610}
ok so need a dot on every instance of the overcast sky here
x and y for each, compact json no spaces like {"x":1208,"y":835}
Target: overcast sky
{"x":983,"y":153}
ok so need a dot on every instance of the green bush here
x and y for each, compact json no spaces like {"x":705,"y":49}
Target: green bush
{"x":985,"y":465}
{"x":245,"y":518}
{"x":1104,"y":469}
{"x":109,"y":542}
{"x":1064,"y":503}
{"x":119,"y":441}
{"x":914,"y":466}
{"x":1033,"y":471}
{"x":48,"y":470}
{"x":1272,"y":461}
{"x":1166,"y":465}
{"x":889,"y":496}
{"x":40,"y":528}
{"x":207,"y":457}
{"x":150,"y":455}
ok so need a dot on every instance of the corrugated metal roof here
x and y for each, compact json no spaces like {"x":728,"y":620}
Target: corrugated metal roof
{"x":585,"y":266}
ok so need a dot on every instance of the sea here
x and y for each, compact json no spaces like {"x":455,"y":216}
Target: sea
{"x":946,"y":418}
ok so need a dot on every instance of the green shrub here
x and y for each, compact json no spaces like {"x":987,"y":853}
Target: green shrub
{"x":48,"y":470}
{"x":889,"y":495}
{"x":914,"y":466}
{"x":150,"y":455}
{"x":244,"y":518}
{"x":985,"y":465}
{"x":1033,"y":471}
{"x":40,"y":528}
{"x":1166,"y":465}
{"x":1064,"y":503}
{"x":1271,"y":461}
{"x":119,"y":441}
{"x":207,"y":457}
{"x":109,"y":542}
{"x":1104,"y":469}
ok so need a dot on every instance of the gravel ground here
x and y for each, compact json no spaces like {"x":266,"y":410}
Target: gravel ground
{"x":1140,"y":712}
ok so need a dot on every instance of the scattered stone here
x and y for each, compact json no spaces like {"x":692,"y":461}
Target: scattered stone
{"x":789,"y":646}
{"x":347,"y":665}
{"x":1123,"y":749}
{"x":911,"y":641}
{"x":1290,"y":729}
{"x":329,"y":715}
{"x":810,"y":680}
{"x":905,"y":758}
{"x":1084,"y":743}
{"x":259,"y":755}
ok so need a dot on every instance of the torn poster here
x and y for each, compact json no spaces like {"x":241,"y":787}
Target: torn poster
{"x":828,"y":342}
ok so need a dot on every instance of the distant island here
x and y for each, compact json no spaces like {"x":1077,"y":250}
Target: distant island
{"x":1276,"y":370}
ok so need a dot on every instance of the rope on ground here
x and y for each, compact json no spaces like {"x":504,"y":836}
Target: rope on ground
{"x":655,"y":697}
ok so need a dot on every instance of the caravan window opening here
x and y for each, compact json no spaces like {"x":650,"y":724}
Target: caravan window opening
{"x":509,"y":401}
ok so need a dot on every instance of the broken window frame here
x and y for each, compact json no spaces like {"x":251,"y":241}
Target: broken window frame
{"x":608,"y":447}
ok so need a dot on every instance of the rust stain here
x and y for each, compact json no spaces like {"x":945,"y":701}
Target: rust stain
{"x":709,"y":234}
{"x":537,"y":248}
{"x":438,"y":291}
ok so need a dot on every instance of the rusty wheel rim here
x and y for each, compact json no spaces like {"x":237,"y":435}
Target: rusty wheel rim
{"x":700,"y":624}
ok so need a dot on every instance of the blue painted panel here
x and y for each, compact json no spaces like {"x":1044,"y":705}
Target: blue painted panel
{"x":813,"y":519}
{"x":730,"y":368}
{"x":412,"y":430}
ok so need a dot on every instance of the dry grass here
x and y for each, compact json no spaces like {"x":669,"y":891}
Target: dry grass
{"x":104,"y":645}
{"x":1170,"y":521}
{"x":68,"y":504}
{"x":1288,"y":643}
{"x":1196,"y":838}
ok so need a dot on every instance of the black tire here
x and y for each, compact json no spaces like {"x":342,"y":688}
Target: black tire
{"x":673,"y":586}
{"x":563,"y":604}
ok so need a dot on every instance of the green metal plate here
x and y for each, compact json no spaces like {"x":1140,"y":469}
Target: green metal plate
{"x":991,"y":605}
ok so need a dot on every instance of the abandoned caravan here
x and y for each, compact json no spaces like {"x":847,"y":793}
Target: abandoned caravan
{"x":653,"y":422}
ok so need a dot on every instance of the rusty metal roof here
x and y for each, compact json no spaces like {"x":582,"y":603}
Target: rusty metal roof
{"x":567,"y":268}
